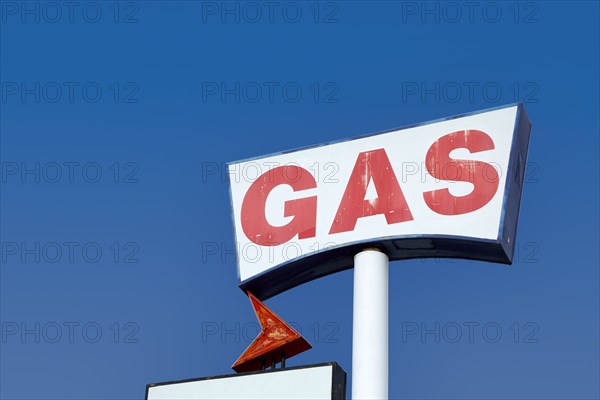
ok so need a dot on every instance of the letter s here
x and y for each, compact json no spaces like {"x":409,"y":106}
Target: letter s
{"x":482,"y":175}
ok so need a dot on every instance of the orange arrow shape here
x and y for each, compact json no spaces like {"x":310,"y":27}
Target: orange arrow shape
{"x":276,"y":339}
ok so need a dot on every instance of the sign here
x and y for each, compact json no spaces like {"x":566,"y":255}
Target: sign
{"x":319,"y":381}
{"x":447,"y":188}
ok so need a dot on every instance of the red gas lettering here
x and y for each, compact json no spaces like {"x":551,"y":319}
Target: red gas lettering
{"x":254,"y":222}
{"x":482,"y":175}
{"x":373,"y":165}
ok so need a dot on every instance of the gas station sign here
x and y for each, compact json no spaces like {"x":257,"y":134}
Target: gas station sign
{"x":447,"y":188}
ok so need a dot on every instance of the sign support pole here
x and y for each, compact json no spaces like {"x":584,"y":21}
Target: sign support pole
{"x":370,"y":325}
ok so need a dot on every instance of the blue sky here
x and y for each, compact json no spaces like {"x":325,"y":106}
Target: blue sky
{"x":116,"y":118}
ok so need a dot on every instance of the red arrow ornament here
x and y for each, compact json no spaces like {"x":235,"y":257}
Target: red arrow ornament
{"x":276,"y":341}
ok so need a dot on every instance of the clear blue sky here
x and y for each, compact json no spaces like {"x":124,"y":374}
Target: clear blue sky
{"x":150,"y":103}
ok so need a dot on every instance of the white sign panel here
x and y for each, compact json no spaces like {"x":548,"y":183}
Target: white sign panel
{"x":324,"y":381}
{"x":449,"y":188}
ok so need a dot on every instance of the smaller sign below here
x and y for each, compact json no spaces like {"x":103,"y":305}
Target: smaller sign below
{"x":318,"y":381}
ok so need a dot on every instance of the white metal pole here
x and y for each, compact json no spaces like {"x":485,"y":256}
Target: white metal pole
{"x":370,"y":326}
